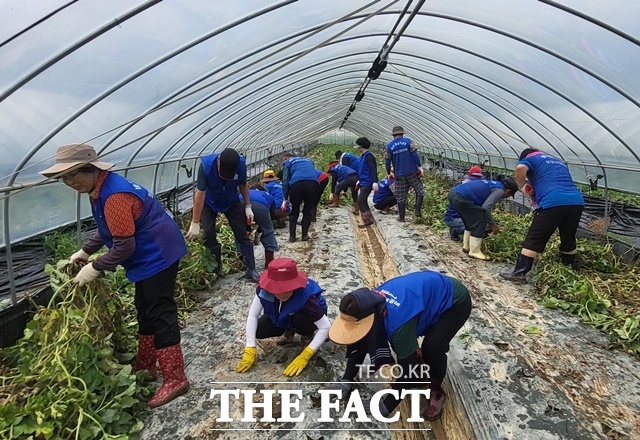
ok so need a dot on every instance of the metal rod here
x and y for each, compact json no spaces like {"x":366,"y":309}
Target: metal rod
{"x":7,"y":239}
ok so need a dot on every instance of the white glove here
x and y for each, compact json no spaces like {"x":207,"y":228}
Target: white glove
{"x":420,"y":172}
{"x":375,"y":187}
{"x":283,"y":207}
{"x":248,"y":212}
{"x":86,"y":275}
{"x":194,"y":230}
{"x":79,"y":256}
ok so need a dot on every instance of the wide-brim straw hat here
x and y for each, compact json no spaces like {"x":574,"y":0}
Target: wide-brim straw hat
{"x":73,"y":156}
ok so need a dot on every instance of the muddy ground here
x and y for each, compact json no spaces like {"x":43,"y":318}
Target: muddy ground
{"x":504,"y":382}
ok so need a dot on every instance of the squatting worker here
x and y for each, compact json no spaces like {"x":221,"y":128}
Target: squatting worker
{"x":274,"y":187}
{"x":397,"y":312}
{"x":300,"y":186}
{"x":264,"y":206}
{"x":403,"y":156}
{"x":143,"y":239}
{"x":220,"y":176}
{"x":559,"y":206}
{"x":368,"y":180}
{"x":473,"y":201}
{"x":383,"y":199}
{"x":290,"y":301}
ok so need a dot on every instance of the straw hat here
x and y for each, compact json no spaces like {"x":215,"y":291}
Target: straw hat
{"x":73,"y":156}
{"x":357,"y":313}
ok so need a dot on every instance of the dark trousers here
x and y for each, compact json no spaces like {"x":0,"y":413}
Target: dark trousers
{"x":348,"y":182}
{"x":474,"y":217}
{"x":545,"y":221}
{"x":363,"y":196}
{"x":323,"y":185}
{"x":386,"y":203}
{"x":302,"y":325}
{"x":237,"y":221}
{"x":157,"y":309}
{"x":435,"y":344}
{"x":305,"y":193}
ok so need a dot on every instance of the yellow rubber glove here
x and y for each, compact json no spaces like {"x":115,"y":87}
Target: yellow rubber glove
{"x":247,"y":361}
{"x":298,"y":364}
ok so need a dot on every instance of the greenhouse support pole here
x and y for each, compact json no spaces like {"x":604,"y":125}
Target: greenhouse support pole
{"x":7,"y":247}
{"x":605,"y":193}
{"x":175,"y":199}
{"x":78,"y":221}
{"x":155,"y":180}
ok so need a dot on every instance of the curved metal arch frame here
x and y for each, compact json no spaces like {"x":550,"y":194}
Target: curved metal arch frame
{"x":493,"y":101}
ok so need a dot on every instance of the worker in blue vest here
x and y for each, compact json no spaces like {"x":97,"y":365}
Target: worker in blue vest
{"x":474,"y":201}
{"x":343,"y":178}
{"x":403,"y":156}
{"x":323,"y":181}
{"x":383,"y":199}
{"x":220,"y":176}
{"x":290,"y":301}
{"x":348,"y":159}
{"x":299,"y":187}
{"x":451,"y":217}
{"x":368,"y":180}
{"x":559,"y":206}
{"x":263,"y":206}
{"x":396,"y":313}
{"x":144,"y":239}
{"x":274,"y":187}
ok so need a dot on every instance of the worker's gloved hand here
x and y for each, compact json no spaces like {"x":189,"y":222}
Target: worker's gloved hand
{"x":375,"y":187}
{"x":420,"y":172}
{"x":357,"y":185}
{"x":81,"y":256}
{"x":527,"y":189}
{"x":247,"y":361}
{"x":248,"y":212}
{"x":495,"y":228}
{"x":284,"y":205}
{"x":194,"y":230}
{"x":86,"y":275}
{"x":298,"y":364}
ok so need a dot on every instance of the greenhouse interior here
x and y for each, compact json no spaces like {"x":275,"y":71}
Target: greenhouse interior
{"x":129,"y":309}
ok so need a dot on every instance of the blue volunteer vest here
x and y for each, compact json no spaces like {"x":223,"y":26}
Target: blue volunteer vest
{"x":384,"y":191}
{"x":350,"y":160}
{"x":427,"y":294}
{"x":365,"y":175}
{"x":159,"y":242}
{"x":450,"y":214}
{"x":477,"y":190}
{"x":275,"y":190}
{"x":402,"y":157}
{"x":300,"y":168}
{"x":343,"y":172}
{"x":262,"y":197}
{"x":551,"y":181}
{"x":221,"y":194}
{"x":282,"y":318}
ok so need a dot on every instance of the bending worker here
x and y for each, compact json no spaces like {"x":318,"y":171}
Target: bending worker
{"x":397,"y":312}
{"x":474,"y":201}
{"x":343,"y":178}
{"x":220,"y":176}
{"x":559,"y":206}
{"x":290,"y":301}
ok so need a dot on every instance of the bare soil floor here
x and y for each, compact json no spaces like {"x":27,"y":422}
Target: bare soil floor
{"x":504,"y":383}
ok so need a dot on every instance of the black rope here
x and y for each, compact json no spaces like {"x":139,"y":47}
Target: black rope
{"x":380,"y":63}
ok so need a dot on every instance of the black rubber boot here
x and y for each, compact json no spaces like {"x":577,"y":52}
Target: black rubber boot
{"x":568,"y":259}
{"x":523,"y":266}
{"x":402,"y":209}
{"x":249,"y":259}
{"x":216,"y":251}
{"x":292,"y":229}
{"x":455,"y":233}
{"x":418,"y":211}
